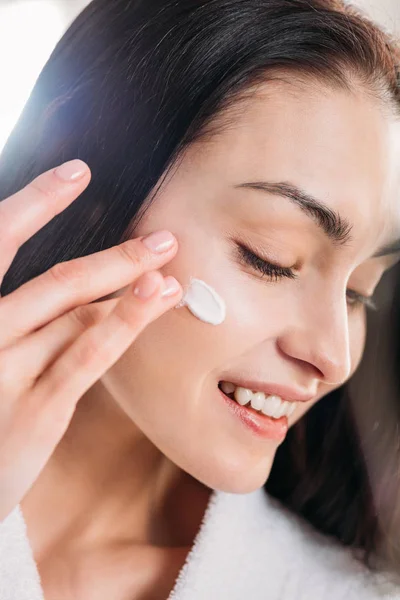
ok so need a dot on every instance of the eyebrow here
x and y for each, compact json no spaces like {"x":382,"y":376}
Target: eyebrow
{"x":335,"y":227}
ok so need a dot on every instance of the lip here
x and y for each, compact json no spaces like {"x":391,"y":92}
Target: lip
{"x":261,"y":425}
{"x":290,"y":394}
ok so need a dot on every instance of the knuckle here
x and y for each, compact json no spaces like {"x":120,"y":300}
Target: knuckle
{"x":132,"y":253}
{"x":8,"y":376}
{"x":98,"y":346}
{"x":125,"y":319}
{"x":91,"y":351}
{"x":70,"y":273}
{"x":87,"y":316}
{"x":8,"y":235}
{"x":39,"y":187}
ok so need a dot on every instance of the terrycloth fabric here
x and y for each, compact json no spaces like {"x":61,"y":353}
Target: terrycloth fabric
{"x":248,"y":547}
{"x":19,"y":577}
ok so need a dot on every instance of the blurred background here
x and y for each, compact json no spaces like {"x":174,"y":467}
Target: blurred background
{"x":29,"y":29}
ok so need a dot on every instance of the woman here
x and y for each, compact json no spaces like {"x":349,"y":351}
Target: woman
{"x":198,"y":298}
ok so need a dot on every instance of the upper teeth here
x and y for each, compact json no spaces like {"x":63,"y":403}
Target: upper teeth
{"x":273,"y":406}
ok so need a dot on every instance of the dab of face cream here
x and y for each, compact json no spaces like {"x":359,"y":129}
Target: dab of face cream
{"x":204,"y":302}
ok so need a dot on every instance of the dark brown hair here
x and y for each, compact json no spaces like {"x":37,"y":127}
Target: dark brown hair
{"x":129,"y":86}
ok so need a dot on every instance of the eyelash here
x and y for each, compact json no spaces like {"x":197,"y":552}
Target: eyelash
{"x":276,"y":272}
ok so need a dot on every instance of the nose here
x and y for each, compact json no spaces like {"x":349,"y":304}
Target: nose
{"x":319,"y":336}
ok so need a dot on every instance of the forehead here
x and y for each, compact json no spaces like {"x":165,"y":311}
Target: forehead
{"x":339,"y":146}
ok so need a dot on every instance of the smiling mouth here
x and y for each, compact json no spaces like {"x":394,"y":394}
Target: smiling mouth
{"x":271,"y":406}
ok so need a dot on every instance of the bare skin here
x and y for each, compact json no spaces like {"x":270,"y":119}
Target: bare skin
{"x":113,"y":510}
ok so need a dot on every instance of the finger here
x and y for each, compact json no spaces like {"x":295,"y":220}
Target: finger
{"x":38,"y":350}
{"x":27,"y":211}
{"x":40,"y":421}
{"x":77,"y":282}
{"x":99,"y":347}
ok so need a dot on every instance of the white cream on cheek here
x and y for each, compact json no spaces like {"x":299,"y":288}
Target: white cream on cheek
{"x":204,"y":302}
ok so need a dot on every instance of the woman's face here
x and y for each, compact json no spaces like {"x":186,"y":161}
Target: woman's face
{"x":305,"y":332}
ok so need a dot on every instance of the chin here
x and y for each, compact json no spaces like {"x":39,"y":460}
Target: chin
{"x":232,"y":476}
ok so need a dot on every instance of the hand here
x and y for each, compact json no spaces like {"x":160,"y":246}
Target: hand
{"x":54,"y":344}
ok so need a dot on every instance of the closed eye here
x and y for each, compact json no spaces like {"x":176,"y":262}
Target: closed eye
{"x":273,"y":271}
{"x":358,"y":299}
{"x":276,"y":272}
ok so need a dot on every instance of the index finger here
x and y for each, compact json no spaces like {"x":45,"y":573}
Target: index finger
{"x":28,"y":210}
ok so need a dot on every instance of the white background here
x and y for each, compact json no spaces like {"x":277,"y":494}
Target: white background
{"x":29,"y":29}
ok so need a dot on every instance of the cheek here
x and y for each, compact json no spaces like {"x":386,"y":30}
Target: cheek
{"x":167,"y":380}
{"x":247,"y":321}
{"x":177,"y":359}
{"x":188,"y":348}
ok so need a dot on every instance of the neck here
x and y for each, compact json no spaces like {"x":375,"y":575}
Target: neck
{"x":106,"y":480}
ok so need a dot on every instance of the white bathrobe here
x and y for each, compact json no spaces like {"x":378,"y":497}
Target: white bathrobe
{"x":248,"y":547}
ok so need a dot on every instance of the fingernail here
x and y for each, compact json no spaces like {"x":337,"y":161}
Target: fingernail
{"x":146,"y":286}
{"x":72,"y":170}
{"x":171,"y":286}
{"x":159,"y":241}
